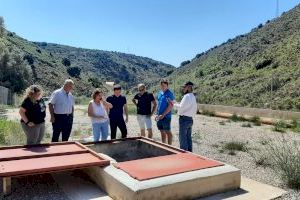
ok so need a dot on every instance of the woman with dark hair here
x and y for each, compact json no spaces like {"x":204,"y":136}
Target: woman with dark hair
{"x":33,"y":113}
{"x":97,"y":110}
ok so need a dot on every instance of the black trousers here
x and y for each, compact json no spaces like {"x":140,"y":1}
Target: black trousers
{"x":114,"y":124}
{"x":63,"y":124}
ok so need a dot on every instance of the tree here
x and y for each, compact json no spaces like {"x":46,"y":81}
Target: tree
{"x":74,"y":71}
{"x":96,"y":82}
{"x":13,"y":71}
{"x":1,"y":26}
{"x":29,"y":59}
{"x":185,"y":63}
{"x":66,"y":62}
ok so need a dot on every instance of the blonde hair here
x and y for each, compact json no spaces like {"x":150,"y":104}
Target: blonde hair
{"x":32,"y":90}
{"x":141,"y":85}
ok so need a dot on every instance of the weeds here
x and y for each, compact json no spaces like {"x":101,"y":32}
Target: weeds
{"x":255,"y":120}
{"x":280,"y":126}
{"x":247,"y":125}
{"x":285,"y":158}
{"x":197,"y":137}
{"x":208,"y":113}
{"x":235,"y":146}
{"x":295,"y":127}
{"x":222,"y":123}
{"x":11,"y":133}
{"x":232,"y":147}
{"x":260,"y":158}
{"x":237,"y":118}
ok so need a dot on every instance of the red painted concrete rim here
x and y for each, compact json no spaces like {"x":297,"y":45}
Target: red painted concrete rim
{"x":25,"y":160}
{"x":149,"y":168}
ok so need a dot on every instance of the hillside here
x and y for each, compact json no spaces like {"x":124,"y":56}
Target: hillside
{"x":49,"y":64}
{"x":258,"y":69}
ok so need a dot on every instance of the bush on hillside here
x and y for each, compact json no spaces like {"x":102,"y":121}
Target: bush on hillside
{"x":13,"y":71}
{"x":1,"y":26}
{"x":29,"y":59}
{"x":66,"y":62}
{"x":74,"y":71}
{"x":263,"y":64}
{"x":185,"y":63}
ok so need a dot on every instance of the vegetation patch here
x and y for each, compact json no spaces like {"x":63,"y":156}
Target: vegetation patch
{"x":295,"y":125}
{"x":280,"y":126}
{"x":208,"y":113}
{"x":11,"y":133}
{"x":285,"y":158}
{"x":255,"y":120}
{"x":247,"y":125}
{"x":237,"y":118}
{"x":233,"y":146}
{"x":222,"y":123}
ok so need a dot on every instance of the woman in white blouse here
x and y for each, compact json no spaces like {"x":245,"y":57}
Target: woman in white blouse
{"x":97,"y":111}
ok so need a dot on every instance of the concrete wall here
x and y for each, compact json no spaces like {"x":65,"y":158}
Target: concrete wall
{"x":129,"y":150}
{"x":3,"y":95}
{"x":6,"y":96}
{"x":267,"y":113}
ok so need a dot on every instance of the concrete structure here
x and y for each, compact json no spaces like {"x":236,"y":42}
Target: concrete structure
{"x":6,"y":96}
{"x":130,"y":169}
{"x":244,"y":111}
{"x":83,"y":189}
{"x":44,"y":158}
{"x":184,"y":185}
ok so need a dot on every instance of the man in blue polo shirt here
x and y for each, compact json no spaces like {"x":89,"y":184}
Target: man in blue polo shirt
{"x":165,"y":100}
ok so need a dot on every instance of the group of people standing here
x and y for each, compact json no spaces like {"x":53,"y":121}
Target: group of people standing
{"x":105,"y":112}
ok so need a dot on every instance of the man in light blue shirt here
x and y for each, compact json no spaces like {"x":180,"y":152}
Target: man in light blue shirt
{"x":61,"y":107}
{"x":165,"y":100}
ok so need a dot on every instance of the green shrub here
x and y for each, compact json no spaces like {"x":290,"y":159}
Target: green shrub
{"x":208,"y":113}
{"x":256,"y":120}
{"x":13,"y":71}
{"x":295,"y":125}
{"x":260,"y":158}
{"x":82,"y":100}
{"x":74,"y":71}
{"x":285,"y":158}
{"x":247,"y":125}
{"x":131,"y":109}
{"x":280,"y":126}
{"x":237,"y":118}
{"x":11,"y":133}
{"x":235,"y":146}
{"x":66,"y":62}
{"x":222,"y":123}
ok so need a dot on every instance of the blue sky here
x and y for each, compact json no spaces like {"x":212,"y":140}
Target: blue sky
{"x":167,"y":30}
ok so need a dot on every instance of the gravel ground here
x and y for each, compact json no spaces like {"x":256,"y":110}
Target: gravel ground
{"x":208,"y":136}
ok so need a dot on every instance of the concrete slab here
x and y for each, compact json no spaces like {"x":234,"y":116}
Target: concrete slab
{"x":128,"y":178}
{"x":189,"y":185}
{"x":77,"y":186}
{"x":249,"y":190}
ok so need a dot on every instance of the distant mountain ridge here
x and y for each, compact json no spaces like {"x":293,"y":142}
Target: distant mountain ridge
{"x":258,"y":69}
{"x":50,"y":64}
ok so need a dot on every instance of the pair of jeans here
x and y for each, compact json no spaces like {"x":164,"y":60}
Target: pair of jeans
{"x":114,"y":124}
{"x":100,"y":129}
{"x":63,"y":124}
{"x":185,"y":133}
